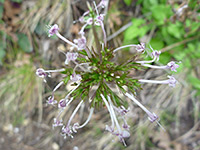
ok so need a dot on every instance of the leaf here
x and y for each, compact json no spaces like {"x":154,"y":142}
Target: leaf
{"x":137,"y":29}
{"x":24,"y":43}
{"x":2,"y":55}
{"x":160,"y":13}
{"x":156,"y":43}
{"x":128,"y":2}
{"x":66,"y":79}
{"x":165,"y":58}
{"x":17,"y":1}
{"x":167,"y":37}
{"x":194,"y":81}
{"x":176,"y":30}
{"x":1,"y":11}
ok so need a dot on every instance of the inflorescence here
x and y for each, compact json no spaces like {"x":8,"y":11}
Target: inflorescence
{"x":92,"y":72}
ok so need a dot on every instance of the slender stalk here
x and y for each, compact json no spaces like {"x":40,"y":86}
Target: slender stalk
{"x":154,"y":81}
{"x":57,"y":86}
{"x":144,"y":62}
{"x":108,"y":107}
{"x":74,"y":113}
{"x":98,"y":46}
{"x":58,"y":70}
{"x":155,"y":67}
{"x":122,"y":47}
{"x":88,"y":119}
{"x":66,"y":40}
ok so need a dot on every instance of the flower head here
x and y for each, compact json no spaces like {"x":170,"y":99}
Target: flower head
{"x":53,"y":30}
{"x":103,"y":3}
{"x":51,"y":100}
{"x":57,"y":122}
{"x":152,"y":117}
{"x":126,"y":126}
{"x":89,"y":21}
{"x":99,"y":19}
{"x":109,"y":129}
{"x":75,"y":77}
{"x":81,"y":19}
{"x":122,"y":110}
{"x":156,"y":54}
{"x":62,"y":103}
{"x":75,"y":127}
{"x":172,"y":81}
{"x":70,"y":57}
{"x":81,"y":42}
{"x":172,"y":65}
{"x":67,"y":131}
{"x":41,"y":73}
{"x":140,"y":47}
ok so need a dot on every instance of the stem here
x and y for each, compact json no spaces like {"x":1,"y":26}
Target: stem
{"x":83,"y":27}
{"x":95,"y":6}
{"x":144,"y":62}
{"x":78,"y":65}
{"x":88,"y":52}
{"x":57,"y":86}
{"x":66,"y":40}
{"x":98,"y":46}
{"x":155,"y":67}
{"x":178,"y":43}
{"x":107,"y":105}
{"x":114,"y":116}
{"x":74,"y":113}
{"x":154,"y":81}
{"x":72,"y":91}
{"x":59,"y":70}
{"x":138,"y":103}
{"x":88,"y":119}
{"x":122,"y":47}
{"x":104,"y":33}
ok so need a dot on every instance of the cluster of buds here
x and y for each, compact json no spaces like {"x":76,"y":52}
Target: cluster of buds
{"x":93,"y":70}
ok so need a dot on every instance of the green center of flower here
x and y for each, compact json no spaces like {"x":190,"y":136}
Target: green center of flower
{"x":103,"y":72}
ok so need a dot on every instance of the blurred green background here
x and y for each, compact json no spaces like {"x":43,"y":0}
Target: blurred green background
{"x":171,"y":26}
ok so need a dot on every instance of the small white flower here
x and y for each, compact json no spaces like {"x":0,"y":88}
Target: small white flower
{"x":53,"y":30}
{"x":75,"y":77}
{"x":172,"y":65}
{"x":70,"y":57}
{"x":81,"y":42}
{"x":41,"y":73}
{"x":57,"y":122}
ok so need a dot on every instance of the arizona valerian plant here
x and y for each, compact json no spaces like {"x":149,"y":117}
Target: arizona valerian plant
{"x":93,"y":72}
